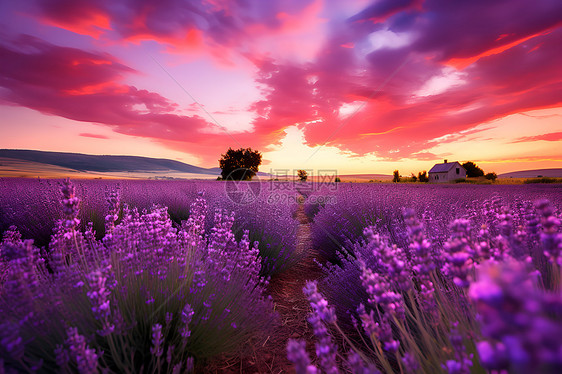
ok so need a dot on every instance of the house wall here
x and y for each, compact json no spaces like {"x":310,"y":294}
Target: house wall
{"x":438,"y":178}
{"x":452,"y":175}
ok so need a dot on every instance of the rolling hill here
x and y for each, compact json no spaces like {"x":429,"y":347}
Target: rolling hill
{"x":105,"y":164}
{"x":551,"y":173}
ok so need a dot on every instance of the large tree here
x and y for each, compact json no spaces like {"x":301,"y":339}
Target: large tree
{"x":472,"y":170}
{"x":239,"y":164}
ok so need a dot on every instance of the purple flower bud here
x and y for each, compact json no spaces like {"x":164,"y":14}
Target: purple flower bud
{"x":296,"y":353}
{"x":157,"y":340}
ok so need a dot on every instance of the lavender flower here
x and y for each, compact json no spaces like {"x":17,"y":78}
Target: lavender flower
{"x":380,"y":292}
{"x":11,"y":340}
{"x":318,"y":302}
{"x":113,"y":199}
{"x":358,"y":366}
{"x":458,"y":253}
{"x":85,"y":358}
{"x":411,"y":365}
{"x":391,"y":259}
{"x":297,"y":355}
{"x":520,"y":322}
{"x":462,"y":362}
{"x":186,"y":316}
{"x":99,"y":297}
{"x":157,"y":339}
{"x":550,"y":238}
{"x":69,"y":207}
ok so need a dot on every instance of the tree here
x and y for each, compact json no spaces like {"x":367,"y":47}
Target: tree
{"x":303,"y":175}
{"x":240,"y":164}
{"x":414,"y":178}
{"x":422,"y":176}
{"x":472,"y":170}
{"x":491,"y":176}
{"x":396,"y":176}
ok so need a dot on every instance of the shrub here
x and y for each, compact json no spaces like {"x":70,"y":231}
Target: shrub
{"x":542,"y":180}
{"x":491,"y":176}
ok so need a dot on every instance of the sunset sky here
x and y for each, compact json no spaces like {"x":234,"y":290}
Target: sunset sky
{"x":359,"y":86}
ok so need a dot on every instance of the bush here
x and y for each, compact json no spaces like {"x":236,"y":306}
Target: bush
{"x":491,"y":176}
{"x":542,"y":180}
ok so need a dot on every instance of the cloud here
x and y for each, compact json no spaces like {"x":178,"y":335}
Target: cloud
{"x":84,"y":86}
{"x":95,"y":136}
{"x":550,"y":137}
{"x":417,"y":91}
{"x":175,"y":22}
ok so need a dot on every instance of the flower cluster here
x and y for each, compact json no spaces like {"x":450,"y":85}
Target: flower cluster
{"x":521,"y":323}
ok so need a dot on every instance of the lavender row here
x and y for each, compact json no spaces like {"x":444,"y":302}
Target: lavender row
{"x":147,"y":296}
{"x":353,"y":207}
{"x":488,"y":298}
{"x":32,"y":206}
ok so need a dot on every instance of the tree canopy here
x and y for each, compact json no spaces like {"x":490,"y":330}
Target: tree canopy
{"x":239,"y":164}
{"x":472,"y":170}
{"x":303,"y":175}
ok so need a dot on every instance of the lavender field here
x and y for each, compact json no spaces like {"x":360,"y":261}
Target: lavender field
{"x":184,"y":276}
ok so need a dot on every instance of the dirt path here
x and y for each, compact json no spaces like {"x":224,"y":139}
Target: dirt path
{"x":270,"y":356}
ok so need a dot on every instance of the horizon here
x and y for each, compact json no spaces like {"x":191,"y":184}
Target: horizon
{"x":365,"y":87}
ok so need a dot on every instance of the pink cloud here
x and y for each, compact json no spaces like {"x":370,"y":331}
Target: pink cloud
{"x":95,"y":136}
{"x":391,"y":121}
{"x":550,"y":137}
{"x":84,"y":86}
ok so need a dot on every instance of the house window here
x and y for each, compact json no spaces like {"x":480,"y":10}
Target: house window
{"x":458,"y":170}
{"x":437,"y":177}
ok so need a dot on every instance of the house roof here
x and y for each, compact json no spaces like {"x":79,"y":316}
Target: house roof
{"x":444,"y":168}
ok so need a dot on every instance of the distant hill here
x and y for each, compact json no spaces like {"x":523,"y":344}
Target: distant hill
{"x":551,"y":173}
{"x":105,"y":164}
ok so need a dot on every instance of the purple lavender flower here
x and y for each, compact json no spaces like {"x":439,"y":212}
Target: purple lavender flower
{"x":411,"y":365}
{"x":520,"y":322}
{"x":325,"y":349}
{"x":296,"y":353}
{"x":69,"y":207}
{"x":493,"y":356}
{"x":86,"y":359}
{"x":550,"y":238}
{"x":390,"y":258}
{"x":358,"y":366}
{"x":11,"y":340}
{"x":99,"y":297}
{"x":380,"y":292}
{"x":186,"y":316}
{"x":458,"y":254}
{"x":61,"y":356}
{"x":462,"y":362}
{"x":318,"y":302}
{"x":113,"y":200}
{"x":157,"y":348}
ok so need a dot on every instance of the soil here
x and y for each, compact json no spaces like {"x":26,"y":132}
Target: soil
{"x":269,"y":355}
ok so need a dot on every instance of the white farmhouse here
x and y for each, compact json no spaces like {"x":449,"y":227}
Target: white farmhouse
{"x":446,"y":172}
